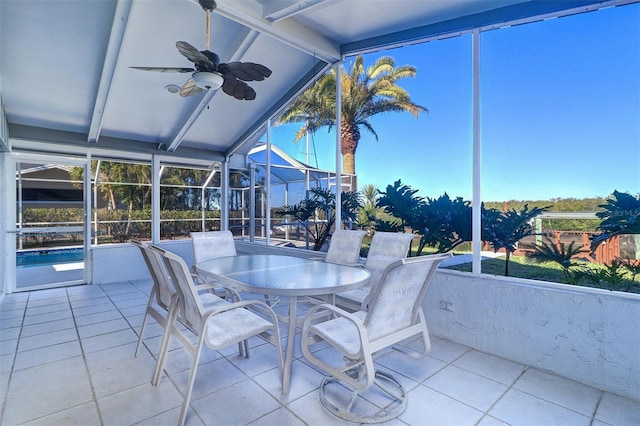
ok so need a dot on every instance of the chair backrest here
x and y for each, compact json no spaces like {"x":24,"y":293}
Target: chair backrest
{"x":397,"y":298}
{"x":386,"y":248}
{"x":190,"y":305}
{"x":212,"y":244}
{"x":344,"y":247}
{"x":161,"y":280}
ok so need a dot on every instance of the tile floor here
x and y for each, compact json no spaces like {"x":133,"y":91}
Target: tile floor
{"x":66,"y":357}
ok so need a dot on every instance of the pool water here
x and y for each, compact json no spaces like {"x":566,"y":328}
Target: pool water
{"x":49,"y":257}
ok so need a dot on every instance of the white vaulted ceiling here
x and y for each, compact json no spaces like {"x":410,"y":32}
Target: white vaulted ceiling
{"x":65,"y":75}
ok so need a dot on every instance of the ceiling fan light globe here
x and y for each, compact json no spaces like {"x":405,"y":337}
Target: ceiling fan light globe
{"x":208,"y":80}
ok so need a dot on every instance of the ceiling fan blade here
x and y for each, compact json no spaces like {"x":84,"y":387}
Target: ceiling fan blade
{"x":246,"y":71}
{"x":238,"y":89}
{"x":194,"y":55}
{"x":164,"y":69}
{"x":190,"y":88}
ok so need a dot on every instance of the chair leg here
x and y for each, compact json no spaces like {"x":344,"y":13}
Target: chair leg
{"x":144,"y":321}
{"x":164,"y":345}
{"x":144,"y":324}
{"x":246,"y":348}
{"x":192,"y":379}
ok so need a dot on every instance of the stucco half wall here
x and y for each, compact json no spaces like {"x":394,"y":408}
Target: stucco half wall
{"x":588,"y":335}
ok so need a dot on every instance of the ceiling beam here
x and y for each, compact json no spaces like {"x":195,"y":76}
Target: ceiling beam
{"x":48,"y":140}
{"x":286,"y":31}
{"x":118,"y":28}
{"x":285,"y":12}
{"x":4,"y":130}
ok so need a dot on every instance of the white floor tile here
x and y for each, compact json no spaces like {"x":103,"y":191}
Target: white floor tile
{"x":109,"y":340}
{"x":210,"y":377}
{"x":101,"y":328}
{"x":46,"y":355}
{"x":29,"y":379}
{"x":98,"y":317}
{"x":48,"y":308}
{"x":427,"y":407}
{"x":491,"y":421}
{"x":241,"y":403}
{"x":9,"y":347}
{"x":445,"y":350}
{"x":304,"y":379}
{"x":101,"y":360}
{"x":85,"y":414}
{"x":490,"y":366}
{"x":619,"y":411}
{"x":560,"y":391}
{"x":519,"y":408}
{"x":47,"y":339}
{"x":47,"y":327}
{"x":122,"y":376}
{"x":138,"y":404}
{"x":474,"y":390}
{"x":48,"y":317}
{"x":23,"y":407}
{"x":415,"y":369}
{"x":309,"y":409}
{"x":281,"y":416}
{"x":7,"y":334}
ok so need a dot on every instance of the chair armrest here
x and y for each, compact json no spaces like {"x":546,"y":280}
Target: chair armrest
{"x":256,"y":304}
{"x":202,"y":285}
{"x":351,"y":358}
{"x":327,"y":309}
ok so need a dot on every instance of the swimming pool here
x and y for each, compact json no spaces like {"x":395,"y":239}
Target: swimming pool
{"x":44,"y":257}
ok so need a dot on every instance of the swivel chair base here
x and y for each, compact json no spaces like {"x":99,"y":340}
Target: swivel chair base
{"x":390,"y":387}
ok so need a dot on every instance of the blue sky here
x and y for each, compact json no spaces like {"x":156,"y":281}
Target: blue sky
{"x":560,"y":114}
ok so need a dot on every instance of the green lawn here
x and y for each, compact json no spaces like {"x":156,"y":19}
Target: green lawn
{"x":521,"y":267}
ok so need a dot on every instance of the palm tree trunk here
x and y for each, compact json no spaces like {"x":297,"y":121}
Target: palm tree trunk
{"x":349,"y":138}
{"x":506,"y":263}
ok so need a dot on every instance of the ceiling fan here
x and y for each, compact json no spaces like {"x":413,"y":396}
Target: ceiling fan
{"x":209,"y":73}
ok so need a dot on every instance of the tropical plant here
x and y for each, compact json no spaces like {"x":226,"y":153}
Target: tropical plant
{"x":503,"y":230}
{"x":610,"y":277}
{"x":560,"y":254}
{"x":365,"y":93}
{"x":401,"y":203}
{"x":631,"y":265}
{"x":621,"y":216}
{"x":369,"y":212}
{"x":444,"y":223}
{"x":321,"y":205}
{"x":441,"y":222}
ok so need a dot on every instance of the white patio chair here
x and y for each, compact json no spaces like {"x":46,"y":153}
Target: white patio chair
{"x":393,"y":317}
{"x":162,"y":291}
{"x":344,"y":247}
{"x":211,"y":245}
{"x":386,"y":248}
{"x":217,"y":327}
{"x":163,"y":302}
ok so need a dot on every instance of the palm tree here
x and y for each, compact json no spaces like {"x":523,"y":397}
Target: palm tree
{"x":365,"y":93}
{"x":562,"y":255}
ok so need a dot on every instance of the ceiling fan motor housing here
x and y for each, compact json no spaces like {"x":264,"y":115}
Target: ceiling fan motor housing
{"x":208,"y":80}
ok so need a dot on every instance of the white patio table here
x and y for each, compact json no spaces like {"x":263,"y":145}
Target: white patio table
{"x":290,"y":276}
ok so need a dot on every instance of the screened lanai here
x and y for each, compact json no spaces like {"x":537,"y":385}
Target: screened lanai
{"x":76,"y":106}
{"x":70,"y":97}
